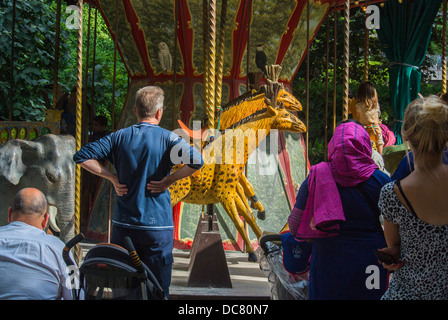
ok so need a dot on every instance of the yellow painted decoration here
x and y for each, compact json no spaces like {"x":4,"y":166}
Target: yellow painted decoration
{"x":231,"y":114}
{"x":219,"y":182}
{"x":14,"y":132}
{"x":22,"y":134}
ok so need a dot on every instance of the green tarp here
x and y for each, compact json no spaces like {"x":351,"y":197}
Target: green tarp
{"x":405,"y":32}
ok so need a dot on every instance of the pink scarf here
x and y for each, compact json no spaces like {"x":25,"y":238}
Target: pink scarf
{"x":350,"y":162}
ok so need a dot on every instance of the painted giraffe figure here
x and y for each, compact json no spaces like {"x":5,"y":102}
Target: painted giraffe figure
{"x":219,"y":182}
{"x":239,"y":110}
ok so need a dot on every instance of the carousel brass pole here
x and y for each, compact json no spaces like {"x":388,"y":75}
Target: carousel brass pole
{"x":113,"y":115}
{"x":248,"y":49}
{"x":444,"y":76}
{"x":77,"y":253}
{"x":346,"y":58}
{"x":366,"y":49}
{"x":327,"y":62}
{"x":205,"y":36}
{"x":220,"y":58}
{"x":210,"y":103}
{"x":335,"y":49}
{"x":307,"y":83}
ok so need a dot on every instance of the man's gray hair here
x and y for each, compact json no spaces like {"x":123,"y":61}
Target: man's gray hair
{"x":148,"y":100}
{"x":29,"y":205}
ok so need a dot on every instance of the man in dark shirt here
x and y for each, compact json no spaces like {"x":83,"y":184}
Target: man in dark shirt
{"x":141,"y":154}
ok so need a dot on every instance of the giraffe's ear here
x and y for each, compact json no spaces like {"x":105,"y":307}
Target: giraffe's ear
{"x":271,"y":111}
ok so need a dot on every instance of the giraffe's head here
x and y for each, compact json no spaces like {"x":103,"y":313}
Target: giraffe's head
{"x":283,"y":120}
{"x":289,"y":101}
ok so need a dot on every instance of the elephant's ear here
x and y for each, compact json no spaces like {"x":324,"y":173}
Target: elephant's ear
{"x":15,"y":156}
{"x":11,"y":164}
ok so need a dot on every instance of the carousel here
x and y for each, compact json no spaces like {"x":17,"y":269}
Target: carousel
{"x":219,"y":64}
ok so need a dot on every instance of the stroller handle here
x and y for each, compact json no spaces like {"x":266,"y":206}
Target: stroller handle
{"x":135,"y":259}
{"x":65,"y":252}
{"x":269,"y":237}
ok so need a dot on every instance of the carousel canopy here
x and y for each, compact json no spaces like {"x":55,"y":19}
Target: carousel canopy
{"x":156,"y":37}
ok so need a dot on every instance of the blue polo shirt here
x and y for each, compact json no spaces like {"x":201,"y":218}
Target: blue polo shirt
{"x":142,"y":153}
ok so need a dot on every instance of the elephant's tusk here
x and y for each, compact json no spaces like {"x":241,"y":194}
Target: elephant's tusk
{"x":53,"y":211}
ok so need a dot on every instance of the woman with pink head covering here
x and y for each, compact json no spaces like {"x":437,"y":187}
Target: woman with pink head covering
{"x":336,"y":207}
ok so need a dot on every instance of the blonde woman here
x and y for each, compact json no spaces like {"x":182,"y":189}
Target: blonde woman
{"x":415,"y":209}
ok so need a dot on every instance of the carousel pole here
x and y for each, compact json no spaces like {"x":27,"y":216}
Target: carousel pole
{"x":77,"y":252}
{"x":444,"y":63}
{"x":366,"y":48}
{"x":210,"y":81}
{"x":307,"y":83}
{"x":211,"y":61}
{"x":327,"y":62}
{"x":346,"y":58}
{"x":220,"y":58}
{"x":248,"y":54}
{"x":205,"y":36}
{"x":208,"y":265}
{"x":113,"y":117}
{"x":335,"y":49}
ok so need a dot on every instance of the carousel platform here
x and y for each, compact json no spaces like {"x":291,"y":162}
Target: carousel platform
{"x":248,"y":281}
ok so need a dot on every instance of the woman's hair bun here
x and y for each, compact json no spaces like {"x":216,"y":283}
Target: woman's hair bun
{"x":425,"y":124}
{"x":435,"y":110}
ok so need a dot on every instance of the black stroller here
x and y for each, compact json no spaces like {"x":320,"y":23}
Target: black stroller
{"x":284,"y":284}
{"x":111,"y":272}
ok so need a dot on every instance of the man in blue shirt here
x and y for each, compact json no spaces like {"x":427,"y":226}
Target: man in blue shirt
{"x":143,"y":154}
{"x":31,"y":262}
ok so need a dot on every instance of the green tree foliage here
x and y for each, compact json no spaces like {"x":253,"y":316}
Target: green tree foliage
{"x":378,"y":74}
{"x":34,"y":60}
{"x":102,"y":96}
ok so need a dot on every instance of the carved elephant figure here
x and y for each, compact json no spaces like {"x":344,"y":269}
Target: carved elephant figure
{"x":46,"y":164}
